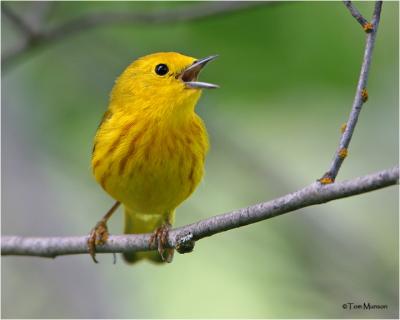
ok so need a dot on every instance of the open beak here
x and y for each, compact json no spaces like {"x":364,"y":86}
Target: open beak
{"x":190,"y":74}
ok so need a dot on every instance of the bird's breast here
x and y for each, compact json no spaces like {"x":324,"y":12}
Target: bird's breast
{"x":149,"y":166}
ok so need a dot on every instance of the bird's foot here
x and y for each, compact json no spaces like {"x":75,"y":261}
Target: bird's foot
{"x":97,"y":236}
{"x":160,"y":236}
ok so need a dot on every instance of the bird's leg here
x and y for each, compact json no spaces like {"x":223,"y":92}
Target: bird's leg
{"x":160,"y":236}
{"x":99,"y":233}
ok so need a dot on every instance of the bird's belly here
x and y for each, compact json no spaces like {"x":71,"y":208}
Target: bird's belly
{"x":156,"y":178}
{"x":160,"y":186}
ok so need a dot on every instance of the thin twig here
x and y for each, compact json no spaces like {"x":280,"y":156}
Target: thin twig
{"x":183,"y":238}
{"x":91,"y":20}
{"x":359,"y":99}
{"x":355,"y":13}
{"x":31,"y":35}
{"x":26,"y":29}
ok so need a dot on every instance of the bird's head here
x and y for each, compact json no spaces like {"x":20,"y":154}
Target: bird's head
{"x":165,"y":78}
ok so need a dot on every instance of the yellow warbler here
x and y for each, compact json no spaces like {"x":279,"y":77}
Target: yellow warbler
{"x":150,"y":147}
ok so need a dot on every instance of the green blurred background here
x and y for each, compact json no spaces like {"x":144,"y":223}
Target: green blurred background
{"x":288,"y":74}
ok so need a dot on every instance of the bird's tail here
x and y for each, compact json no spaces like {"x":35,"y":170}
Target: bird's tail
{"x":142,"y":223}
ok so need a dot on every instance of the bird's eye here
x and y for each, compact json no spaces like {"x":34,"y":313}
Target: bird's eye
{"x":161,"y":69}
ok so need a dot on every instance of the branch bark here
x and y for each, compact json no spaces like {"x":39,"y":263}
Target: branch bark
{"x":355,"y":13}
{"x":361,"y":92}
{"x":19,"y":23}
{"x":183,"y":238}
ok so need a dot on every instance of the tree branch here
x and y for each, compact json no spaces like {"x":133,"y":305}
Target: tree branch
{"x":18,"y":22}
{"x":183,"y":238}
{"x":360,"y":97}
{"x":355,"y":13}
{"x":92,"y":20}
